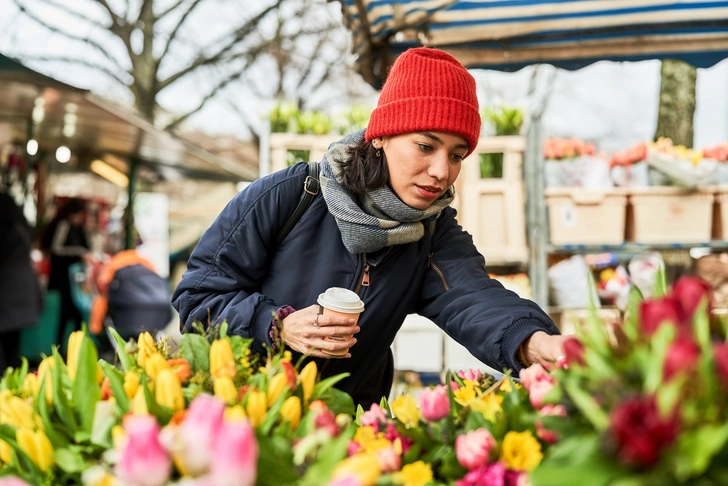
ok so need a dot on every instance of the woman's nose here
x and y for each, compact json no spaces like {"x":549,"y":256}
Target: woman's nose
{"x":439,"y":167}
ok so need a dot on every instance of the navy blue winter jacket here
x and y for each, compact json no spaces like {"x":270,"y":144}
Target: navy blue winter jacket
{"x":236,"y":273}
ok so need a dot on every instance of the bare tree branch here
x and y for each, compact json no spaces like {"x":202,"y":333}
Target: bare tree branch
{"x":224,"y":82}
{"x":177,"y":27}
{"x":68,"y":35}
{"x":238,"y":36}
{"x":115,"y":18}
{"x":81,"y":62}
{"x":76,"y":14}
{"x":170,"y":9}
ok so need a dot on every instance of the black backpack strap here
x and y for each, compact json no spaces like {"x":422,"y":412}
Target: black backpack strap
{"x":311,"y":189}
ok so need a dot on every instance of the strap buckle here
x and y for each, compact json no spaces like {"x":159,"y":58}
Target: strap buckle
{"x":313,"y":183}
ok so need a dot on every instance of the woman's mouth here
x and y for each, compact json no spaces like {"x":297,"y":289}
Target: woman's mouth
{"x":429,"y":192}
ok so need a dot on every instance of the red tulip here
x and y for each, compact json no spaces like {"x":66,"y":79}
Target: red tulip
{"x":640,"y":433}
{"x":574,"y":351}
{"x":682,"y":355}
{"x":720,"y":354}
{"x":653,"y":313}
{"x":690,"y":292}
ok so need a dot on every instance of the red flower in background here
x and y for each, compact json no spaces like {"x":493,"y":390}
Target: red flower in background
{"x":682,"y":355}
{"x":653,"y":313}
{"x":640,"y":433}
{"x":574,"y":351}
{"x":720,"y":355}
{"x":690,"y":292}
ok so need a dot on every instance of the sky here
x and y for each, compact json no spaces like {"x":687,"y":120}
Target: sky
{"x":612,"y":104}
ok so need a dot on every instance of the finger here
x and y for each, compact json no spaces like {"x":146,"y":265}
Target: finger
{"x":311,"y":309}
{"x":332,"y":346}
{"x":335,"y":331}
{"x":324,"y":321}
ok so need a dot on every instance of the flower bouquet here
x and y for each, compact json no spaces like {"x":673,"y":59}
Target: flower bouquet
{"x":648,"y":403}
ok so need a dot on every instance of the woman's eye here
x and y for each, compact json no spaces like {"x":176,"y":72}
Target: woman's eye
{"x":457,"y":157}
{"x":425,"y":147}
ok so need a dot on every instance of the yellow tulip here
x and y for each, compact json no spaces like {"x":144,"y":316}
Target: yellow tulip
{"x":99,"y":374}
{"x":139,"y":403}
{"x":307,"y":377}
{"x":17,"y":412}
{"x":406,"y":411}
{"x":235,"y":413}
{"x":154,"y":364}
{"x":291,"y":411}
{"x":256,"y":406}
{"x":222,"y":359}
{"x":74,"y":348}
{"x":364,"y":467}
{"x":45,"y":376}
{"x":37,"y":446}
{"x":225,"y":389}
{"x":147,"y":348}
{"x":131,"y":383}
{"x":31,"y":385}
{"x":168,"y":390}
{"x":6,"y":455}
{"x":276,"y":387}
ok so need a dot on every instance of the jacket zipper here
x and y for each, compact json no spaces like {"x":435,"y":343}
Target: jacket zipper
{"x":364,"y":282}
{"x":430,"y":263}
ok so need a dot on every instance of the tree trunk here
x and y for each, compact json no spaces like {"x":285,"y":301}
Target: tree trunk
{"x":677,"y":102}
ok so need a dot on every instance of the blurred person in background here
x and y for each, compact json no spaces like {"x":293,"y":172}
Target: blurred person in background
{"x":384,"y":228}
{"x":20,"y":294}
{"x":64,"y":238}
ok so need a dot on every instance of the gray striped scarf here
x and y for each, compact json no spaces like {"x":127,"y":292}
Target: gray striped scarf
{"x":383,"y":219}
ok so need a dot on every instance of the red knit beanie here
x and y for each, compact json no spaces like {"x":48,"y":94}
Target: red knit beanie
{"x":427,"y":89}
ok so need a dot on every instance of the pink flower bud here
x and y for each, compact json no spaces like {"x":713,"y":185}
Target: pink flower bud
{"x":373,"y":417}
{"x":471,"y":374}
{"x":235,"y":458}
{"x":434,"y":403}
{"x":12,"y":481}
{"x":537,"y":383}
{"x":389,"y":460}
{"x":682,"y":355}
{"x":143,"y":461}
{"x":473,"y":449}
{"x":196,"y":437}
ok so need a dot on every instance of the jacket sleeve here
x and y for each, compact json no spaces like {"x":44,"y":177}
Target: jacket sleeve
{"x":228,"y":266}
{"x":474,"y":309}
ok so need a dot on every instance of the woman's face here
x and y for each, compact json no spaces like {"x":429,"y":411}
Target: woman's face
{"x":422,"y":165}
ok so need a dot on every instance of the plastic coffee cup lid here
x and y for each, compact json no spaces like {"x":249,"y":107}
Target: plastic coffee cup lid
{"x":341,"y":300}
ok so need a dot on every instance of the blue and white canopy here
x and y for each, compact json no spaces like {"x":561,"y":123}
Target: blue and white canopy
{"x":510,"y":34}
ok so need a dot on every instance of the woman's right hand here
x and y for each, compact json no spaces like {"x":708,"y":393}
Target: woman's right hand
{"x":300,"y":334}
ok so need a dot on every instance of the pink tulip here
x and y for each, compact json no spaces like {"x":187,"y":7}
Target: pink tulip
{"x":196,"y":436}
{"x":434,"y":403}
{"x":235,"y":455}
{"x":373,"y":417}
{"x":12,"y":481}
{"x":352,"y":448}
{"x":537,"y":383}
{"x":557,"y":410}
{"x":345,"y":481}
{"x":472,"y":375}
{"x":493,"y":475}
{"x":143,"y":461}
{"x":516,"y":478}
{"x":389,"y":460}
{"x":391,"y":435}
{"x":473,"y":449}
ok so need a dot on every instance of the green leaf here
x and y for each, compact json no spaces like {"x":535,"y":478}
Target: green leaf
{"x":572,"y":460}
{"x":275,"y":462}
{"x":163,"y":414}
{"x":124,"y":359}
{"x":116,"y":378}
{"x":661,"y":340}
{"x":359,"y":413}
{"x":20,"y":459}
{"x":324,"y":385}
{"x":701,"y":322}
{"x":588,"y":406}
{"x":384,"y":405}
{"x":631,"y":323}
{"x":60,"y":401}
{"x":196,"y":350}
{"x":338,"y":401}
{"x":696,"y":449}
{"x":57,"y":440}
{"x":327,"y":458}
{"x":223,"y":329}
{"x":86,"y":391}
{"x":669,"y":394}
{"x":272,"y":415}
{"x":451,"y":468}
{"x":436,"y":454}
{"x":104,"y":421}
{"x":69,"y":461}
{"x":660,"y":288}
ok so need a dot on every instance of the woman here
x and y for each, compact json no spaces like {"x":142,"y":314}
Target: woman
{"x":65,"y":239}
{"x":383,"y":228}
{"x":20,"y":296}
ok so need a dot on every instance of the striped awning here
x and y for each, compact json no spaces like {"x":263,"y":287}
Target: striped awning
{"x":510,"y":34}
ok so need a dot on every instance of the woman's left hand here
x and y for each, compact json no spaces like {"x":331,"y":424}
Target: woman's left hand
{"x":543,"y":348}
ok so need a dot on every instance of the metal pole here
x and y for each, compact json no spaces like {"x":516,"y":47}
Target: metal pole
{"x":536,"y":217}
{"x":129,"y":213}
